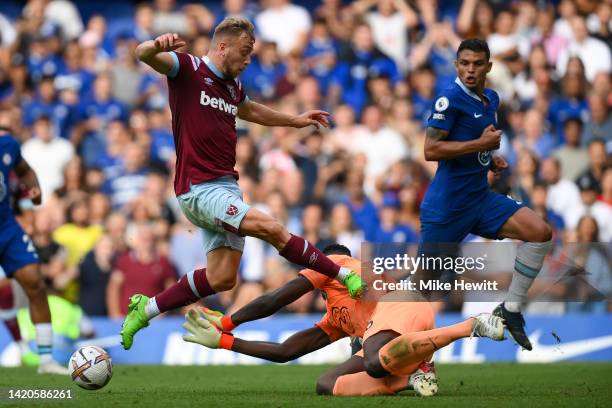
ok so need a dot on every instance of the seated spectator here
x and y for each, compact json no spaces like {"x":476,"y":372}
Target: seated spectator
{"x":94,"y":274}
{"x":355,"y":63}
{"x":573,"y":157}
{"x":563,"y":194}
{"x":128,"y":182}
{"x":588,"y":205}
{"x":77,"y":236}
{"x":285,"y":24}
{"x":390,"y":229}
{"x":47,"y":154}
{"x":141,"y":270}
{"x":600,"y":124}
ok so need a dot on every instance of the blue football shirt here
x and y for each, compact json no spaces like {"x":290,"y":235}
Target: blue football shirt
{"x":460,"y":183}
{"x":10,"y":156}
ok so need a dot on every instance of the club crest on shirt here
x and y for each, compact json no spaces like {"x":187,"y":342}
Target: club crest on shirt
{"x":232,"y":210}
{"x":484,"y":158}
{"x":441,"y":104}
{"x":232,"y":91}
{"x":6,"y":159}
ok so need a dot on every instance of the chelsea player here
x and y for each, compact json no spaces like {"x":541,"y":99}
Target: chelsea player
{"x":461,"y":135}
{"x":18,"y":258}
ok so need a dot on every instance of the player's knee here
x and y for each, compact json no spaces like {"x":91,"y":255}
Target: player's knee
{"x":542,"y":232}
{"x":325,"y":385}
{"x":222,"y":283}
{"x":30,"y":280}
{"x":373,"y":367}
{"x":273,"y":231}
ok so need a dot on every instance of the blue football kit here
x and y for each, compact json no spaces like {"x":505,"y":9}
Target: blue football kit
{"x":16,"y":248}
{"x":458,"y":201}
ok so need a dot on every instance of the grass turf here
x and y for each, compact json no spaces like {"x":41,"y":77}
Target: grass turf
{"x":491,"y":385}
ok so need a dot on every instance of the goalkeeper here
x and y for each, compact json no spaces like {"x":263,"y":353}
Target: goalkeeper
{"x":399,"y":338}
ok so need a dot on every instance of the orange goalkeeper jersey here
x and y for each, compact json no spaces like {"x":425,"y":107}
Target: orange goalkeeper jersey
{"x":345,"y":316}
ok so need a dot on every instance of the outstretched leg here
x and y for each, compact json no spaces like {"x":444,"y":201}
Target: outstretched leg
{"x":297,"y":250}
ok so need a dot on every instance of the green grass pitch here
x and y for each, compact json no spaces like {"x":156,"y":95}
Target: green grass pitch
{"x":489,"y":385}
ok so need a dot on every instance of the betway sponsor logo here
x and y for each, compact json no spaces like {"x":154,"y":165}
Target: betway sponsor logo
{"x":218,"y":103}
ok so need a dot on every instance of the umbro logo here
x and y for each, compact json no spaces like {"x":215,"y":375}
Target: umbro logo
{"x":476,"y":115}
{"x":209,"y":81}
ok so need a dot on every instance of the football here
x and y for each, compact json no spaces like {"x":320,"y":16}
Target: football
{"x":91,"y":367}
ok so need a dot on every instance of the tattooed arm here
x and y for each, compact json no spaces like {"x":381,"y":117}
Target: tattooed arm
{"x":437,"y":148}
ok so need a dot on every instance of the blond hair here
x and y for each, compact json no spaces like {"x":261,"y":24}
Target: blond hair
{"x":234,"y":27}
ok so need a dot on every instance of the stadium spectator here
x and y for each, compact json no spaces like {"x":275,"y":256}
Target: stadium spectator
{"x":390,"y":23}
{"x":563,"y":194}
{"x":601,"y":212}
{"x":587,"y":48}
{"x":141,"y":270}
{"x":390,"y":229}
{"x":38,"y":150}
{"x":358,"y":60}
{"x":93,"y":276}
{"x":285,"y":24}
{"x":573,"y":157}
{"x":380,"y":145}
{"x":600,"y":124}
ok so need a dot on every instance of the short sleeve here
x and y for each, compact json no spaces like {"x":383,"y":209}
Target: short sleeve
{"x":443,"y":113}
{"x":184,"y":65}
{"x":332,"y":331}
{"x":243,"y":97}
{"x":317,"y":279}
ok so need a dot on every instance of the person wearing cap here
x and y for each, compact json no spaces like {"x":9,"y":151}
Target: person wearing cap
{"x":588,"y":205}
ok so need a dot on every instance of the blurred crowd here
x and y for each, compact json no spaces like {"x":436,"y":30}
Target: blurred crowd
{"x":95,"y":125}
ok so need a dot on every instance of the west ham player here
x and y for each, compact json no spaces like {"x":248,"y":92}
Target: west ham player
{"x":398,"y":337}
{"x":18,"y":258}
{"x":461,"y":134}
{"x":205,"y":98}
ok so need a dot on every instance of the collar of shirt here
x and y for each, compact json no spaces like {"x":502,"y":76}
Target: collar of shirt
{"x":470,"y":93}
{"x":213,"y":67}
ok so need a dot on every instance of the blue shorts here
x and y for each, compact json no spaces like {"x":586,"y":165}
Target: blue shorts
{"x":216,"y":206}
{"x":484,"y":220}
{"x":16,"y":249}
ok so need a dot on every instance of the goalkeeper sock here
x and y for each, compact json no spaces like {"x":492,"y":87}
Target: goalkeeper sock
{"x":403,"y":354}
{"x":191,"y":287}
{"x":301,"y":252}
{"x":529,"y":261}
{"x":361,"y":384}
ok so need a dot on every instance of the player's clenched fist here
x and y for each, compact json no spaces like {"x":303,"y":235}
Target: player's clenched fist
{"x":169,"y":42}
{"x":490,"y":138}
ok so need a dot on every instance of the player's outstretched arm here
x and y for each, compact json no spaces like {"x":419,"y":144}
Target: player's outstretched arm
{"x":261,"y":114}
{"x":155,"y":52}
{"x":438,"y":148}
{"x":264,"y":306}
{"x":201,"y":331}
{"x":28,"y":179}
